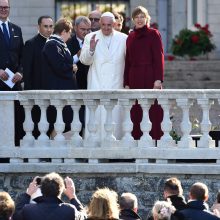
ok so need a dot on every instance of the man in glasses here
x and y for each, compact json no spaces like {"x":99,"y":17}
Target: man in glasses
{"x":11,"y":46}
{"x":32,"y":62}
{"x":94,"y":17}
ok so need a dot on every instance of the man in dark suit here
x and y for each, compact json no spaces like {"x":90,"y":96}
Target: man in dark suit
{"x":32,"y":62}
{"x":197,"y":208}
{"x":11,"y":46}
{"x":82,"y":28}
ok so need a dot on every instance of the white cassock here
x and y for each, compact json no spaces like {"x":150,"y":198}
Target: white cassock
{"x":106,"y":72}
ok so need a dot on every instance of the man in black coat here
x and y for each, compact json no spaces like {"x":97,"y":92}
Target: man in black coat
{"x":11,"y":46}
{"x":197,"y":208}
{"x":82,"y":28}
{"x":129,"y":206}
{"x":49,"y":206}
{"x":32,"y":62}
{"x":32,"y":54}
{"x":173,"y":192}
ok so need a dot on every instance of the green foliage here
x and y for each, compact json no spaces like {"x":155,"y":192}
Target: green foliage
{"x":174,"y":135}
{"x":193,"y":43}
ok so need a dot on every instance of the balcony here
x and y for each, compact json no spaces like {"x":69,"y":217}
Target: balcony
{"x":73,"y":154}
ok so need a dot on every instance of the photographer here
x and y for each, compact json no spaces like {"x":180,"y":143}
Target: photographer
{"x":49,"y":206}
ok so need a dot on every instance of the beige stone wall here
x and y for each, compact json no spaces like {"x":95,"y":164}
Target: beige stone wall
{"x":25,"y":13}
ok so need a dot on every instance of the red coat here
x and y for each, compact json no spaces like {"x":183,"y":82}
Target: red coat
{"x":143,"y":66}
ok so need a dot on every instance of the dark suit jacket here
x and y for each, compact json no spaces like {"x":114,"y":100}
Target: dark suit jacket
{"x":10,"y":57}
{"x":50,"y":208}
{"x":196,"y":210}
{"x":32,"y":63}
{"x":81,"y":74}
{"x":57,"y":72}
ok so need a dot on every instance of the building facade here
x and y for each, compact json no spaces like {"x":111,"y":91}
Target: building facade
{"x":170,"y":15}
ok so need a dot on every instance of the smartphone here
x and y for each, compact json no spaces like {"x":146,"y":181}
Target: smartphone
{"x":38,"y":180}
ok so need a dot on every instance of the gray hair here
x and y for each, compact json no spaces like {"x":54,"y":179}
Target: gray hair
{"x":81,"y":19}
{"x":128,"y":201}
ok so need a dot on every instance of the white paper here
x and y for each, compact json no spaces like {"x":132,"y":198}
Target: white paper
{"x":10,"y":77}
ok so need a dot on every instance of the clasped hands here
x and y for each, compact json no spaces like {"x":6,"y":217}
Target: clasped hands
{"x":157,"y":85}
{"x":16,"y":78}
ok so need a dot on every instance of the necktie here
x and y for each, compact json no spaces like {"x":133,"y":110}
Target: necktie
{"x":81,"y":43}
{"x":5,"y":32}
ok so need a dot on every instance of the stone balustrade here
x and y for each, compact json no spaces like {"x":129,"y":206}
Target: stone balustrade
{"x":89,"y":154}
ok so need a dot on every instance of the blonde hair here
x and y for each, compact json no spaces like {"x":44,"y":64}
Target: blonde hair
{"x":163,"y":210}
{"x":141,"y":10}
{"x":104,"y":205}
{"x":7,"y":205}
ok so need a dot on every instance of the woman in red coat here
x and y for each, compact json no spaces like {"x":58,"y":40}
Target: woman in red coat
{"x":144,"y":68}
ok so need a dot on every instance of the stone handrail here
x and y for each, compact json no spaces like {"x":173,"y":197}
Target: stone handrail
{"x":77,"y":154}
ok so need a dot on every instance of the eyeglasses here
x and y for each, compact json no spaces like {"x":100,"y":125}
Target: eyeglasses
{"x":94,"y":19}
{"x":4,"y":8}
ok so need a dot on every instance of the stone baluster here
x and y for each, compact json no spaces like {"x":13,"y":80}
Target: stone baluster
{"x":166,"y":125}
{"x":205,"y":141}
{"x":76,"y":125}
{"x":43,"y":124}
{"x":127,"y":139}
{"x":59,"y":126}
{"x":146,"y":139}
{"x":109,"y":125}
{"x":186,"y":126}
{"x":92,"y":140}
{"x":28,"y":139}
{"x":7,"y":123}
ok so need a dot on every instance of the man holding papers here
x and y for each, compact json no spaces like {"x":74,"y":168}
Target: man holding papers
{"x":11,"y":45}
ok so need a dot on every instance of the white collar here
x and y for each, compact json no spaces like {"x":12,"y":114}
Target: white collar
{"x":6,"y":22}
{"x":42,"y":35}
{"x":80,"y":41}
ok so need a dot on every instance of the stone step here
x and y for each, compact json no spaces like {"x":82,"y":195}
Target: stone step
{"x":202,"y":74}
{"x":175,"y":75}
{"x":191,"y":84}
{"x":204,"y":65}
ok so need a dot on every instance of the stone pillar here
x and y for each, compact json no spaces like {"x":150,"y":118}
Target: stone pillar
{"x":109,"y":126}
{"x":186,"y":140}
{"x":127,"y":139}
{"x":146,"y":139}
{"x":205,"y":141}
{"x":7,"y":127}
{"x":76,"y":125}
{"x":166,"y":125}
{"x":28,"y":140}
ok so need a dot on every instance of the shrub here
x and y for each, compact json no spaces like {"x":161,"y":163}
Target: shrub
{"x":193,"y":43}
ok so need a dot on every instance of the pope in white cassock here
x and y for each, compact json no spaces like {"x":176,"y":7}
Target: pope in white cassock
{"x":104,"y":50}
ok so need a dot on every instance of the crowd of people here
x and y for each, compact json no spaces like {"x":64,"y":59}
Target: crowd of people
{"x":93,"y":54}
{"x":43,"y":200}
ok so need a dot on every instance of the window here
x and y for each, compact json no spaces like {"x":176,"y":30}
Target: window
{"x":196,"y":12}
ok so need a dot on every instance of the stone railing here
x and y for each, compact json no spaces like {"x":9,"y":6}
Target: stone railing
{"x":126,"y":155}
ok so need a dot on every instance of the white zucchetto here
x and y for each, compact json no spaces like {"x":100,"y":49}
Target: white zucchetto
{"x":108,"y":14}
